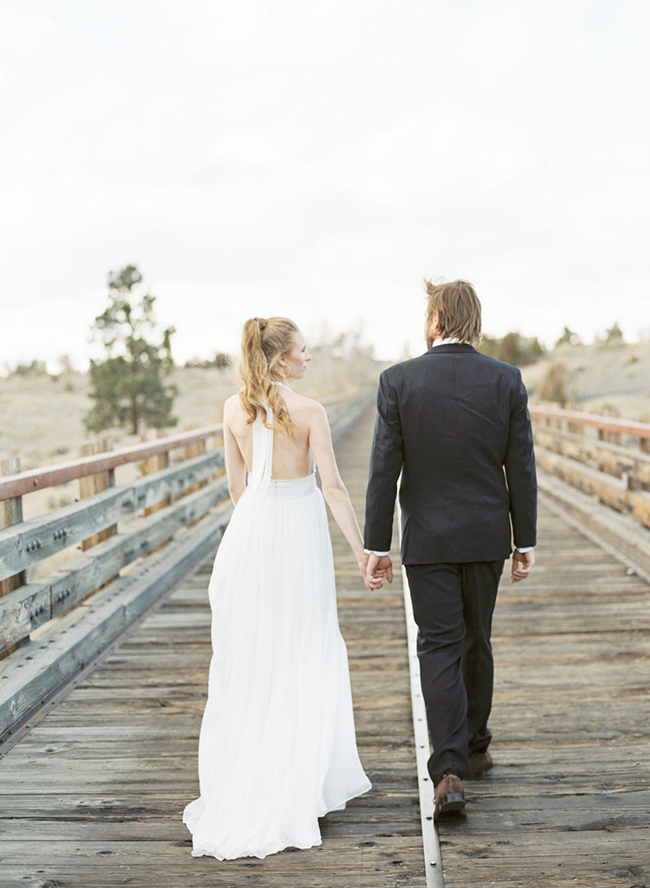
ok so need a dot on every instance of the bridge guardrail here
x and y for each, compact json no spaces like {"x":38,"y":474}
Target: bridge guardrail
{"x":599,"y":455}
{"x":596,"y":473}
{"x":51,"y":628}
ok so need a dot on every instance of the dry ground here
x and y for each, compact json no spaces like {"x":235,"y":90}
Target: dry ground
{"x":601,"y":378}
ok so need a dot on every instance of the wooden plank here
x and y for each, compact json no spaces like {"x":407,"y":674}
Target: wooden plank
{"x":11,"y":514}
{"x":50,"y":476}
{"x":41,"y":537}
{"x":612,"y":459}
{"x":53,"y":658}
{"x":196,"y":449}
{"x":44,"y":536}
{"x":177,"y":479}
{"x":567,"y":799}
{"x":576,"y":418}
{"x":157,"y":463}
{"x":609,"y":490}
{"x":619,"y":535}
{"x":35,"y":603}
{"x":92,"y":484}
{"x":21,"y":611}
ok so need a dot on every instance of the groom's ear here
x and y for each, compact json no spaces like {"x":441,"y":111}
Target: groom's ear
{"x":432,"y":326}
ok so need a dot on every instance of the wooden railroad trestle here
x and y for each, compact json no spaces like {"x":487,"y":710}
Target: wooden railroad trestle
{"x":92,"y":797}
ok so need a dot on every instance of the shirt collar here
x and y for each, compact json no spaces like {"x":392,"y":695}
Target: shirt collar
{"x":451,"y":340}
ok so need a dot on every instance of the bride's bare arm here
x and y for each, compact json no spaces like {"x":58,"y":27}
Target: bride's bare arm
{"x":235,"y":465}
{"x":334,"y":490}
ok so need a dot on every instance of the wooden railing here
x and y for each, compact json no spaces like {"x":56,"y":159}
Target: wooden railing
{"x":51,"y":627}
{"x":606,"y":457}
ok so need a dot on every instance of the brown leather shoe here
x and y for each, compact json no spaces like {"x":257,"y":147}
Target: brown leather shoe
{"x":478,"y":765}
{"x":450,"y":798}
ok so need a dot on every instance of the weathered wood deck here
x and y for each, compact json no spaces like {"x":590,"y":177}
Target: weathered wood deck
{"x":92,"y":797}
{"x":568,"y":801}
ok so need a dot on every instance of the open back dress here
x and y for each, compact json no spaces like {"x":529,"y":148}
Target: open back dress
{"x":277,"y":747}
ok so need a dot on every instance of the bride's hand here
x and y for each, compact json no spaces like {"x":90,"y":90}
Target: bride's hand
{"x":371,"y":582}
{"x":378,"y":567}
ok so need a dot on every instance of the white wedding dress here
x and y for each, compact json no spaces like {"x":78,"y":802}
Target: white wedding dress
{"x":277,"y":748}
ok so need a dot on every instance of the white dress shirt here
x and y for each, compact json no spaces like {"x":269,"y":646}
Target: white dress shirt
{"x":450,"y":340}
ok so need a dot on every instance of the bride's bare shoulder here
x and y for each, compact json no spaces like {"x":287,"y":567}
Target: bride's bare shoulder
{"x":233,"y":412}
{"x":308,"y":409}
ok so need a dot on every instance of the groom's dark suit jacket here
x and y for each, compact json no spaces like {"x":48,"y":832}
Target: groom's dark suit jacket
{"x":456,"y":424}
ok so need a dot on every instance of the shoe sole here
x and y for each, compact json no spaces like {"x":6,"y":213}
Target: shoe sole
{"x":451,"y":807}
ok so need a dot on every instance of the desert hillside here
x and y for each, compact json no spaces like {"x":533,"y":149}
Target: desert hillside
{"x":600,"y":378}
{"x":42,"y":416}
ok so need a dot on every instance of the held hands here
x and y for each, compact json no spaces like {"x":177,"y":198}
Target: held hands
{"x":377,"y":567}
{"x":522,"y":564}
{"x":362,"y":561}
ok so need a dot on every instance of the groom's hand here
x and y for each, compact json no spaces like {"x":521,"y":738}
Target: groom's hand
{"x":371,"y":585}
{"x":378,"y":567}
{"x":522,"y":564}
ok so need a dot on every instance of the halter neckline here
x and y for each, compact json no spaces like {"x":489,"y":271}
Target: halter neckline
{"x":273,"y":382}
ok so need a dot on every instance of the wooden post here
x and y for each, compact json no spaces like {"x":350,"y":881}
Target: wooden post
{"x":217,"y":442}
{"x":94,"y":484}
{"x":151,"y":464}
{"x":196,"y":449}
{"x":11,"y":513}
{"x":90,"y":485}
{"x":189,"y":452}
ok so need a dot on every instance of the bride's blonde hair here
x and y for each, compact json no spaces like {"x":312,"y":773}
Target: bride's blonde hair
{"x":264,"y":341}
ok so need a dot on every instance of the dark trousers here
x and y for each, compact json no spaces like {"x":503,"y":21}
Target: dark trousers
{"x":453,"y":606}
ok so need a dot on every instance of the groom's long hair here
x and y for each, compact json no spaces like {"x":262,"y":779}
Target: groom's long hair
{"x":458,"y":307}
{"x":264,"y":340}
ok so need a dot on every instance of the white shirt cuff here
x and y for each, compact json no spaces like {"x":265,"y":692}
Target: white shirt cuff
{"x":522,"y":549}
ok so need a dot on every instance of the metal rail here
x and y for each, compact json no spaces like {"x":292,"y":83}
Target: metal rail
{"x":430,"y":838}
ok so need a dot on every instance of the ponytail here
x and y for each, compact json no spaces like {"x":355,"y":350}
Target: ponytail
{"x":264,"y":340}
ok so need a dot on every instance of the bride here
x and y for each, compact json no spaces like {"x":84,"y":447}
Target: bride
{"x":277,"y":748}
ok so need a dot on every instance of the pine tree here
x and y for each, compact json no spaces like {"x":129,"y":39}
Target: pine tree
{"x":568,"y":337}
{"x":129,"y":387}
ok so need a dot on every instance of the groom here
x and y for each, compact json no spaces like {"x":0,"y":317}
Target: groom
{"x":455,"y":423}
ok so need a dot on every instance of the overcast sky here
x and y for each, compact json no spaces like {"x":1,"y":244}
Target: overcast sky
{"x":317,"y":159}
